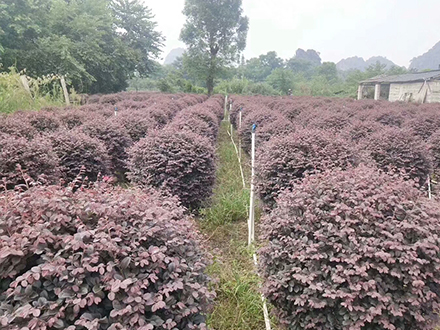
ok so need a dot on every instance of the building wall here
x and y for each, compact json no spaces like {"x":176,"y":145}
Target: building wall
{"x":434,"y":94}
{"x":415,"y":91}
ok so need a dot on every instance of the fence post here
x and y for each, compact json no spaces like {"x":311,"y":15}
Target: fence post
{"x":66,"y":93}
{"x":251,"y":222}
{"x":25,"y":84}
{"x":429,"y":187}
{"x":239,"y":138}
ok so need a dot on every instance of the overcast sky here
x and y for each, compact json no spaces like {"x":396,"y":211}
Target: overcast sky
{"x":396,"y":29}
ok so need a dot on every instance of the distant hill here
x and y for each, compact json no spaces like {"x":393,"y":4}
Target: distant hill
{"x":358,"y":63}
{"x":173,"y":55}
{"x":429,"y":60}
{"x":383,"y":60}
{"x":310,"y":55}
{"x":352,"y":63}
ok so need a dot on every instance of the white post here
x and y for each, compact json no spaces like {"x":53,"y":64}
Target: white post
{"x":116,"y":111}
{"x":239,"y":139}
{"x":360,"y":92}
{"x":429,"y":187}
{"x":377,"y":92}
{"x":251,"y":223}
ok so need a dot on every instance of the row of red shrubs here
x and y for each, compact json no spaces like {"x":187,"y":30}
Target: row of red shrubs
{"x":352,"y":241}
{"x":97,"y":256}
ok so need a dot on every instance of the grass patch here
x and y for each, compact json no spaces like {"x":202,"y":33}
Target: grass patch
{"x":43,"y":92}
{"x":230,"y":202}
{"x":238,"y":305}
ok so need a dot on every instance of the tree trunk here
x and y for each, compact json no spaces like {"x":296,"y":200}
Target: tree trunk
{"x":210,"y":84}
{"x":212,"y":70}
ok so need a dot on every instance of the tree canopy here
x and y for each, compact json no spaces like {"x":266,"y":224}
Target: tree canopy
{"x":96,"y":44}
{"x":215,"y":32}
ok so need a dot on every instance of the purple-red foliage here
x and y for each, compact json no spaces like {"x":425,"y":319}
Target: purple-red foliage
{"x":169,"y":107}
{"x":104,"y":258}
{"x":181,"y":162}
{"x":387,"y":115}
{"x":75,"y":117}
{"x":399,"y":149}
{"x":353,"y":250}
{"x":100,"y":109}
{"x":17,"y":124}
{"x":139,"y":96}
{"x":92,"y":99}
{"x":287,"y":159}
{"x":262,"y":117}
{"x":425,"y":124}
{"x":328,"y":119}
{"x":137,"y":123}
{"x":434,"y":148}
{"x":131,"y":105}
{"x":115,"y":139}
{"x":110,"y":99}
{"x":205,"y":111}
{"x":159,"y":115}
{"x":193,"y":124}
{"x":76,"y":149}
{"x":289,"y":108}
{"x":72,"y":118}
{"x":358,"y":130}
{"x":20,"y":158}
{"x":52,"y":109}
{"x":216,"y":105}
{"x":203,"y":120}
{"x":43,"y":121}
{"x":279,"y":127}
{"x":188,"y":100}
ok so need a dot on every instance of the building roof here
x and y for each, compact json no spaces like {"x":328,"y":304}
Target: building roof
{"x":404,"y":78}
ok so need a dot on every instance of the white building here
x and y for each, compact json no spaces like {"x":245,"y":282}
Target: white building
{"x":422,"y":87}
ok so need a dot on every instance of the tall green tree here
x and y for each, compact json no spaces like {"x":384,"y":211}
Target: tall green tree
{"x":138,"y":32}
{"x":215,"y":32}
{"x":328,"y":70}
{"x":258,"y":69}
{"x":300,"y":66}
{"x":281,"y":79}
{"x":376,"y":69}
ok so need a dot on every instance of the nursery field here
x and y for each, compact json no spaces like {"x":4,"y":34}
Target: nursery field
{"x":129,"y":213}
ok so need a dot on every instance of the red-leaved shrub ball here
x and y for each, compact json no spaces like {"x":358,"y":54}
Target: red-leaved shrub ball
{"x":181,"y":162}
{"x":104,"y":258}
{"x":76,"y":150}
{"x":395,"y":149}
{"x":353,"y":250}
{"x":35,"y":159}
{"x":287,"y":159}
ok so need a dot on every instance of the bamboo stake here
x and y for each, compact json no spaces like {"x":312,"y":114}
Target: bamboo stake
{"x":251,"y":222}
{"x":66,"y":93}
